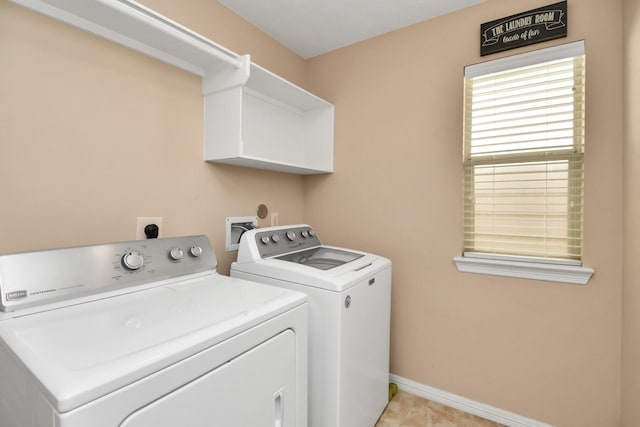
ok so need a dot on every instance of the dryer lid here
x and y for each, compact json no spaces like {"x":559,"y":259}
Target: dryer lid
{"x":85,"y":351}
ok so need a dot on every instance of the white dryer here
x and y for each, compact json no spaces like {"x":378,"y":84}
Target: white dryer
{"x":349,"y":313}
{"x":147,"y":334}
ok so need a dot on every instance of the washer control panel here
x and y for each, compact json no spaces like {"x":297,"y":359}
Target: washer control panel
{"x":35,"y":278}
{"x":281,"y":240}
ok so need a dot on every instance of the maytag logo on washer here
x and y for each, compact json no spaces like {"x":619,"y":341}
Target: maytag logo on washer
{"x":12,"y":296}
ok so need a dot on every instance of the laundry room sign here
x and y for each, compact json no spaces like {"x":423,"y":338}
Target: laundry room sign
{"x":523,"y":29}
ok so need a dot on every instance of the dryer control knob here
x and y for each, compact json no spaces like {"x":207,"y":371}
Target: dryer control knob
{"x":275,"y":238}
{"x":265,"y":240}
{"x":196,"y":251}
{"x":312,"y":233}
{"x":304,"y":234}
{"x":291,"y":235}
{"x":132,"y":260}
{"x":176,"y":254}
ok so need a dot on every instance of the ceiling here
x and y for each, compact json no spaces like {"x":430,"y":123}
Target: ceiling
{"x":313,"y":27}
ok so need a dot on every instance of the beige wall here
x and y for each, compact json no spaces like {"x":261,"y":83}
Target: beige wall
{"x":548,"y":351}
{"x":631,"y":290}
{"x":93,"y":135}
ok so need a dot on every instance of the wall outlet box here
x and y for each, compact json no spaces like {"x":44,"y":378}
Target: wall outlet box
{"x":236,"y":226}
{"x":143,"y":221}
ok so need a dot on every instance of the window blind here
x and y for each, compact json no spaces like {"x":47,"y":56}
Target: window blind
{"x":523,"y":154}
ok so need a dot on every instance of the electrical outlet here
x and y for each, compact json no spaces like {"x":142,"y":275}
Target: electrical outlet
{"x":275,"y":219}
{"x":143,"y":221}
{"x":236,"y":226}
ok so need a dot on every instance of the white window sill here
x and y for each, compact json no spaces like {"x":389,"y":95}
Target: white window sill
{"x":524,"y":268}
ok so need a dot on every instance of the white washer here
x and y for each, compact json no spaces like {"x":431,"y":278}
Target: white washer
{"x":349,"y":304}
{"x":146,"y":333}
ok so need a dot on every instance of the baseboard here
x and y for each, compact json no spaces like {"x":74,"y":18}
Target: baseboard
{"x":506,"y":418}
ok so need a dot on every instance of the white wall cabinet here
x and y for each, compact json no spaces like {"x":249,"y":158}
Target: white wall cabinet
{"x":253,"y":118}
{"x":269,"y":123}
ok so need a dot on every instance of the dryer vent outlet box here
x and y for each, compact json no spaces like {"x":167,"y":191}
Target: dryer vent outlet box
{"x":236,"y":226}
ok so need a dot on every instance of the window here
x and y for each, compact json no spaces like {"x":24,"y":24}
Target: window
{"x":523,"y":158}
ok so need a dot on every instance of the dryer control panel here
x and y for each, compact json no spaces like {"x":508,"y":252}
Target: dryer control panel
{"x":36,"y":278}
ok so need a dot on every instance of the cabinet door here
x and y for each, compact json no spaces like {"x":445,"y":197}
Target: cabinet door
{"x":255,"y":389}
{"x":364,"y":368}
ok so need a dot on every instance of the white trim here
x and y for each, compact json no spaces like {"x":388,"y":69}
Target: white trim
{"x":523,"y":258}
{"x":526,"y":59}
{"x":455,"y":401}
{"x":524,"y":269}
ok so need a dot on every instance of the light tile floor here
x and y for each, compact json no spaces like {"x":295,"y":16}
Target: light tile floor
{"x":407,"y":410}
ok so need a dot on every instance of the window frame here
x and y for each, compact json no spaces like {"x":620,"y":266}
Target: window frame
{"x":529,"y":267}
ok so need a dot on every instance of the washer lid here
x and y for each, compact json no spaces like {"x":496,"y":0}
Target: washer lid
{"x":337,"y":278}
{"x":82,"y":352}
{"x":322,"y":257}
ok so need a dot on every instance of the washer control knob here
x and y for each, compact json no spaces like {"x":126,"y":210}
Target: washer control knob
{"x":312,"y":233}
{"x":275,"y":238}
{"x":176,"y":254}
{"x":265,"y":240}
{"x":132,"y":260}
{"x":304,"y":234}
{"x":291,"y":235}
{"x":196,"y":251}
